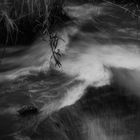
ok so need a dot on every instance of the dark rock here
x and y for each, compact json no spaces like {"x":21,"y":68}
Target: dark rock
{"x":28,"y":110}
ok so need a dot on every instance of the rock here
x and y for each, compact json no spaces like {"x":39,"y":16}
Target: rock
{"x":28,"y":110}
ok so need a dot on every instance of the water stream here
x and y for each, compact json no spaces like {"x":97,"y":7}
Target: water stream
{"x":100,"y":47}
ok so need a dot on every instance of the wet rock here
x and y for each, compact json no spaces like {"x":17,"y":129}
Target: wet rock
{"x":28,"y":110}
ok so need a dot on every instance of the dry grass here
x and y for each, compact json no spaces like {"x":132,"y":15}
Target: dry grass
{"x":36,"y":12}
{"x":17,"y":9}
{"x":19,"y":18}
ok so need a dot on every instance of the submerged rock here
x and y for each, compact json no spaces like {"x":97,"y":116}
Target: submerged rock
{"x":28,"y":110}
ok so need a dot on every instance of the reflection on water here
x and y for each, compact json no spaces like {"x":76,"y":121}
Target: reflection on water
{"x":95,"y":95}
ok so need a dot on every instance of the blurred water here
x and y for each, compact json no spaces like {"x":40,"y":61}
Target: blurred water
{"x":100,"y":51}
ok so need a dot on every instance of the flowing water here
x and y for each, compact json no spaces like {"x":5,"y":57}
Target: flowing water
{"x":93,"y":96}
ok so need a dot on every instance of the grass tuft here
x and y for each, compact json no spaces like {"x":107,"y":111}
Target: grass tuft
{"x":35,"y":14}
{"x":21,"y":21}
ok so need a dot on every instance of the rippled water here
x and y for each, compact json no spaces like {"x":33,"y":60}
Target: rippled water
{"x":94,"y":95}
